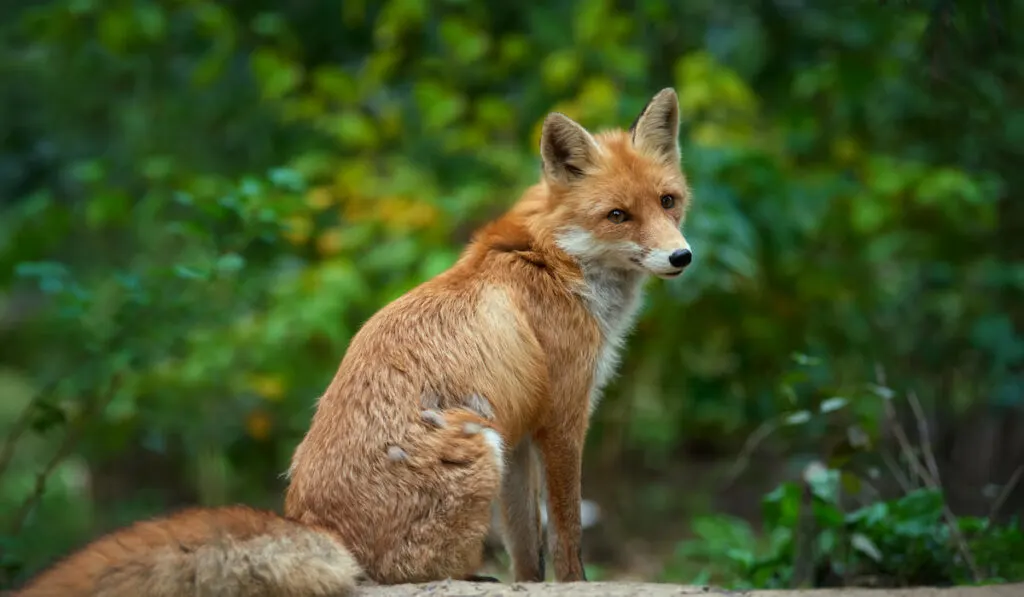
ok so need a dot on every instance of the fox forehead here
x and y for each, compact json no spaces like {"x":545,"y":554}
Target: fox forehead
{"x":629,"y":179}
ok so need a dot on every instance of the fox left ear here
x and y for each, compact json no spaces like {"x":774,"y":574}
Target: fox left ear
{"x":566,"y":148}
{"x":656,"y":129}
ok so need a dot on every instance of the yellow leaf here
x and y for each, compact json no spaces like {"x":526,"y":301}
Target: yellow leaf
{"x":258,"y":425}
{"x":599,"y":97}
{"x":270,"y":387}
{"x":356,"y":176}
{"x":845,"y":149}
{"x":319,"y":198}
{"x":330,"y":242}
{"x":403,"y":215}
{"x":297,"y":230}
{"x":356,"y":208}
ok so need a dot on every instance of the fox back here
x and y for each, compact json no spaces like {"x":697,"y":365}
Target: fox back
{"x":518,"y":336}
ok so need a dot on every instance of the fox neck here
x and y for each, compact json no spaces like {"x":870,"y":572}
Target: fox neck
{"x":613,"y":297}
{"x":611,"y":294}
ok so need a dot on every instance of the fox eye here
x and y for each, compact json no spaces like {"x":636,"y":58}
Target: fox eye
{"x":668,"y":201}
{"x":618,"y":216}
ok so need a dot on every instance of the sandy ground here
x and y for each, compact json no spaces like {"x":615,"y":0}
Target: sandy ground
{"x":624,"y":589}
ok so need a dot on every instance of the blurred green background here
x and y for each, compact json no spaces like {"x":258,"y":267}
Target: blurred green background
{"x":201,"y":202}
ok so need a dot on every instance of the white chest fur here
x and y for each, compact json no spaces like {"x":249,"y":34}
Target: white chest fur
{"x":614,"y":298}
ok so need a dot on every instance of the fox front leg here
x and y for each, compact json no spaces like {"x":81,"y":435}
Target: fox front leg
{"x":520,"y":509}
{"x":563,"y":458}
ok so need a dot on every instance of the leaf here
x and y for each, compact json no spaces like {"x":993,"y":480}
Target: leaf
{"x":189,"y":273}
{"x":46,"y":416}
{"x":798,"y":418}
{"x":850,"y":483}
{"x":230,"y":263}
{"x":466,"y":42}
{"x":50,"y":276}
{"x":826,"y":542}
{"x":832,"y":404}
{"x":861,"y":543}
{"x":882,"y":392}
{"x":559,"y":69}
{"x":702,"y":578}
{"x":781,"y":507}
{"x":823,"y":481}
{"x":287,"y":178}
{"x":724,"y":532}
{"x":871,"y":514}
{"x":276,"y":75}
{"x":805,"y":360}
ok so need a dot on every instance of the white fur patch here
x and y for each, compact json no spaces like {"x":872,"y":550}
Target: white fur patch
{"x":613,"y":295}
{"x":586,"y":248}
{"x":493,"y":439}
{"x":656,"y":261}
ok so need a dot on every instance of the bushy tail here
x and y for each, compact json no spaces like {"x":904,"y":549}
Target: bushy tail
{"x":230,"y":552}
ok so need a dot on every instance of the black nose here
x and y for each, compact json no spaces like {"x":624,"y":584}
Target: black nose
{"x":680,"y":258}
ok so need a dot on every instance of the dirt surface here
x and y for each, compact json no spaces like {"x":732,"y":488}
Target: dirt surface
{"x":624,"y":589}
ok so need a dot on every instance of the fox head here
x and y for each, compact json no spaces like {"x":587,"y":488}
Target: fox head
{"x":618,"y":198}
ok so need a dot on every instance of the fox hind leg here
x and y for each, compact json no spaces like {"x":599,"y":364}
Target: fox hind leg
{"x":456,"y":468}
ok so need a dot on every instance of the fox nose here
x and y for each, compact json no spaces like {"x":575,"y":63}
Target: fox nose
{"x":680,"y":258}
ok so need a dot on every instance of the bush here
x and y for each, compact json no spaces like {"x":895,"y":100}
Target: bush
{"x":809,"y":540}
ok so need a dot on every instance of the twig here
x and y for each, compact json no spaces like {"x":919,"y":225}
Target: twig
{"x":11,"y":441}
{"x":924,"y":437}
{"x":754,"y":440}
{"x":907,"y":448}
{"x":930,"y":482}
{"x":897,"y":474}
{"x":65,"y":449}
{"x":803,"y":556}
{"x":1005,"y":493}
{"x":21,"y":425}
{"x":67,"y":445}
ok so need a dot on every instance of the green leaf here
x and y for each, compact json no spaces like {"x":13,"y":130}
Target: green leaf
{"x":189,"y":273}
{"x":798,"y":418}
{"x":863,"y":544}
{"x":823,"y":481}
{"x":46,"y":416}
{"x":230,"y":263}
{"x":277,"y":75}
{"x":833,"y":404}
{"x":287,"y":178}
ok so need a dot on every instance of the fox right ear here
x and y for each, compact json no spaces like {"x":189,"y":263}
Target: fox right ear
{"x":656,"y":128}
{"x":566,"y":148}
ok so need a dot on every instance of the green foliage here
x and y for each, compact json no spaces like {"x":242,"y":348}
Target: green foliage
{"x":200,"y":202}
{"x":900,"y":542}
{"x":833,"y":527}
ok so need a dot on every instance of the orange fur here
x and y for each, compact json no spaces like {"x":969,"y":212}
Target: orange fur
{"x":231,"y":552}
{"x":524,"y":321}
{"x":475,"y":386}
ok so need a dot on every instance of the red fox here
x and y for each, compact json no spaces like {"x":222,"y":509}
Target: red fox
{"x":474,"y":387}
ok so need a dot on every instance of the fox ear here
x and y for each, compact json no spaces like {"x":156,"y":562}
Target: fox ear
{"x":566,"y":148}
{"x":656,"y":129}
